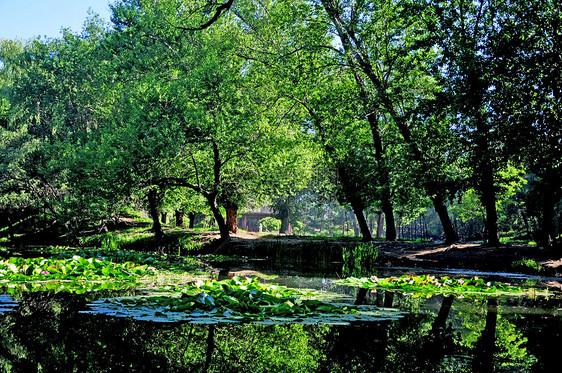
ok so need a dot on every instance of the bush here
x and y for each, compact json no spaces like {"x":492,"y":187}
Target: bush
{"x":270,"y":224}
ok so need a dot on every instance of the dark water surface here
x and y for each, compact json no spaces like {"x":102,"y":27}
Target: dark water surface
{"x":46,"y":332}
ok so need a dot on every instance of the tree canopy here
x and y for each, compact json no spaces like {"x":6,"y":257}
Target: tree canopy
{"x":407,"y":109}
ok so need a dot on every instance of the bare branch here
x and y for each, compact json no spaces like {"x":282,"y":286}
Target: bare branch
{"x":222,"y":8}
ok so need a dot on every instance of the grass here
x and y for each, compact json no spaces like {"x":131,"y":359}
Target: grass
{"x":175,"y":241}
{"x":527,"y":263}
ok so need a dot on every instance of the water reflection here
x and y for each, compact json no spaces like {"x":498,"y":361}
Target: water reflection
{"x":45,"y":332}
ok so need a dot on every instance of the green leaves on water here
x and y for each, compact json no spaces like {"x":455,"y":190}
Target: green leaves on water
{"x":238,"y":300}
{"x":55,"y":286}
{"x":18,"y":269}
{"x":428,"y":285}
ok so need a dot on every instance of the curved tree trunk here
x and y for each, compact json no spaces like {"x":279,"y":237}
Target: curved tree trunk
{"x":440,"y":321}
{"x":441,"y":209}
{"x":360,"y":61}
{"x":387,"y":207}
{"x":363,"y":226}
{"x":219,"y":219}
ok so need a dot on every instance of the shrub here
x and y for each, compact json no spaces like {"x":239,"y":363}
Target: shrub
{"x":270,"y":224}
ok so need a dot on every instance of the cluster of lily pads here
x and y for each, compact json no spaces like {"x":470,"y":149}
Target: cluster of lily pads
{"x":238,"y":300}
{"x":429,"y":285}
{"x":90,"y":269}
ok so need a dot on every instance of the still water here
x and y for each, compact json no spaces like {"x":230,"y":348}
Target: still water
{"x":47,"y":332}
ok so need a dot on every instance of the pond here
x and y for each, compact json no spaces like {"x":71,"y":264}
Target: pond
{"x":61,"y":331}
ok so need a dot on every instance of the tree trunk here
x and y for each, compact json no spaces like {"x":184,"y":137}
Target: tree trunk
{"x":387,"y":207}
{"x":223,"y":229}
{"x":441,"y":209}
{"x":361,"y":295}
{"x":153,"y":208}
{"x":389,"y":221}
{"x":489,"y":202}
{"x":388,"y":299}
{"x":179,"y":219}
{"x":232,"y":219}
{"x":284,"y":225}
{"x":380,"y":226}
{"x":441,"y":319}
{"x":191,"y":217}
{"x":361,"y":61}
{"x":210,"y":348}
{"x":363,"y":226}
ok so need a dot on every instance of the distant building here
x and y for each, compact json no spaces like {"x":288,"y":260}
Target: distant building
{"x":250,"y":221}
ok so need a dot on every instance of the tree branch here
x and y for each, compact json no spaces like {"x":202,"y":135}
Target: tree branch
{"x":222,"y":8}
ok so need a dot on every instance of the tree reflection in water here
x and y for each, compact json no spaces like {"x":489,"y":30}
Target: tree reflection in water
{"x":443,"y":334}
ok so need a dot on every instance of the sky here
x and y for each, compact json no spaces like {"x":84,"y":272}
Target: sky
{"x":25,"y":19}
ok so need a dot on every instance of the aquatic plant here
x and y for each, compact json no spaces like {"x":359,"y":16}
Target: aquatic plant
{"x":360,"y":259}
{"x":428,"y":285}
{"x":67,"y":286}
{"x":239,"y":300}
{"x":77,"y":267}
{"x":527,"y":263}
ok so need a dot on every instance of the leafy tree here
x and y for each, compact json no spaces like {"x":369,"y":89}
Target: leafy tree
{"x":390,"y":59}
{"x":200,"y":103}
{"x":528,"y":99}
{"x":51,"y":97}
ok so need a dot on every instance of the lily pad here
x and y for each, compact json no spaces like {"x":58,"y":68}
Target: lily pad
{"x":239,"y":301}
{"x":428,"y":285}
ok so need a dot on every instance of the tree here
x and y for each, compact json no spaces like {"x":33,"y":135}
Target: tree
{"x":466,"y":31}
{"x":196,"y":109}
{"x":51,"y":98}
{"x":385,"y":65}
{"x":528,"y":99}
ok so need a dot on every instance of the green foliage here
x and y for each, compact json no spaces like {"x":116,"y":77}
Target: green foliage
{"x":67,"y":286}
{"x":384,"y":106}
{"x":187,"y":244}
{"x":158,"y":261}
{"x":241,"y":300}
{"x":359,"y":260}
{"x":17,"y":269}
{"x":527,"y":263}
{"x":270,"y":224}
{"x":428,"y":285}
{"x":109,"y":242}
